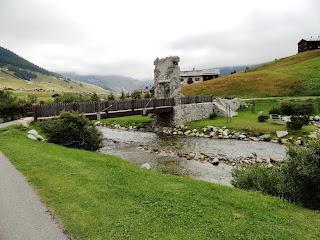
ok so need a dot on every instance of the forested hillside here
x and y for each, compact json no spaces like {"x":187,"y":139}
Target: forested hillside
{"x":8,"y":57}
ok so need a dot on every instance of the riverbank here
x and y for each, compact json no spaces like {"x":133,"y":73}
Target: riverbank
{"x":115,"y":199}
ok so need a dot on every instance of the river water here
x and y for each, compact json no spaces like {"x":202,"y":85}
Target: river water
{"x":129,"y":146}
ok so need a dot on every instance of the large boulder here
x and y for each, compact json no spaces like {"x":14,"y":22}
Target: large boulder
{"x":281,"y":134}
{"x":265,"y":137}
{"x":34,"y":135}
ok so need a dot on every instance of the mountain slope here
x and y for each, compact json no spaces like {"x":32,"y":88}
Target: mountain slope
{"x":295,"y":75}
{"x":114,"y":82}
{"x":8,"y":57}
{"x":18,"y":73}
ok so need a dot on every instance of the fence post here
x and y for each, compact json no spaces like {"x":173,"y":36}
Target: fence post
{"x":74,"y":106}
{"x":35,"y":112}
{"x":154,"y":104}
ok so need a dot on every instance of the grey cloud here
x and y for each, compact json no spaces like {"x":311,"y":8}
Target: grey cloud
{"x":34,"y":22}
{"x":263,"y":37}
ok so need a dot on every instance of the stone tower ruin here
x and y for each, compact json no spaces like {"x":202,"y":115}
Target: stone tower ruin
{"x":167,"y":77}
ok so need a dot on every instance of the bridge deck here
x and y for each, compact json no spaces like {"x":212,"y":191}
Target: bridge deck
{"x":123,"y":113}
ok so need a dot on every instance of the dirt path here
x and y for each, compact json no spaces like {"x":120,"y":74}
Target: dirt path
{"x":22,"y":214}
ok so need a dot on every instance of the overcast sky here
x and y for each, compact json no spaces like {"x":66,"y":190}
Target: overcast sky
{"x":125,"y":36}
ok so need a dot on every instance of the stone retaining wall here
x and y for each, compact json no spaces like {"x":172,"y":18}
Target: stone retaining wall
{"x":191,"y":112}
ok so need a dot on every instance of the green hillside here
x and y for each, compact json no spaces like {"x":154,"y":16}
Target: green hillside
{"x":18,"y":73}
{"x":297,"y":75}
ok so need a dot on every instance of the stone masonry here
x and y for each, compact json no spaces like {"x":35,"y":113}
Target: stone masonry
{"x":167,"y":77}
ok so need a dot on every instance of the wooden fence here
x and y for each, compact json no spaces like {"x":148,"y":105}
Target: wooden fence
{"x":51,"y":110}
{"x":194,"y":99}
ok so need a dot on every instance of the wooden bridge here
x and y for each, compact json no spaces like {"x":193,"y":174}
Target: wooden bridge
{"x":116,"y":108}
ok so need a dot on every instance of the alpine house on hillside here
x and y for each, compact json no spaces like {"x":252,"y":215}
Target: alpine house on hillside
{"x":194,"y":76}
{"x":309,"y":44}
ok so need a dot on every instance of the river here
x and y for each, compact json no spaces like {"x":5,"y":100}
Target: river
{"x":130,"y":145}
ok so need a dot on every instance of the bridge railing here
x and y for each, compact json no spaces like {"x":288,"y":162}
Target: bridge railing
{"x":54,"y":109}
{"x":194,"y":99}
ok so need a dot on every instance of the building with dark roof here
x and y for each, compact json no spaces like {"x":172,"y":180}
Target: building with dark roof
{"x":309,"y":44}
{"x":194,"y":76}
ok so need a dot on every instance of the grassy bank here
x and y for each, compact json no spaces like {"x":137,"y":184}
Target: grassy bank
{"x":97,"y":196}
{"x":247,"y":120}
{"x":138,"y":121}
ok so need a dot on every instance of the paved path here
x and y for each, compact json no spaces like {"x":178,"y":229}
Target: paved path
{"x":7,"y":124}
{"x":22,"y":215}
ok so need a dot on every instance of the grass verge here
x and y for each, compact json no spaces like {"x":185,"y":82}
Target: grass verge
{"x":97,"y":196}
{"x":138,"y":121}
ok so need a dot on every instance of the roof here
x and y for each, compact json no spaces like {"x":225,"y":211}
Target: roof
{"x":211,"y":71}
{"x":312,"y":39}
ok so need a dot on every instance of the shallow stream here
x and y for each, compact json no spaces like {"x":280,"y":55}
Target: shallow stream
{"x":129,"y":145}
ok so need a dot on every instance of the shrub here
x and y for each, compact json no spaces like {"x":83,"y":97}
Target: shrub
{"x":95,"y":97}
{"x":305,"y":109}
{"x":213,"y":115}
{"x":136,"y":95}
{"x":275,"y":110}
{"x":10,"y":108}
{"x":296,"y":179}
{"x":297,"y":108}
{"x":258,"y":178}
{"x":297,"y":122}
{"x":301,"y":172}
{"x":289,"y":109}
{"x":111,"y":97}
{"x":73,"y":130}
{"x":262,"y":117}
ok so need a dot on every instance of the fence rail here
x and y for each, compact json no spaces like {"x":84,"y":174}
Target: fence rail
{"x":51,"y":110}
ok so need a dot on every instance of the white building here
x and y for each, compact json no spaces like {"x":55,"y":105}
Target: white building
{"x":194,"y":76}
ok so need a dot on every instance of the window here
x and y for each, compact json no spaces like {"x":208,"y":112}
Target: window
{"x":190,"y":81}
{"x":197,"y":79}
{"x":181,"y":79}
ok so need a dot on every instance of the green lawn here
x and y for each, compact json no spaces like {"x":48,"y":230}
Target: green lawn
{"x":247,"y":120}
{"x":138,"y":121}
{"x":96,"y":196}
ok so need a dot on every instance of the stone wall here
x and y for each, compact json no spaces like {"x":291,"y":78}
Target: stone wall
{"x":191,"y":112}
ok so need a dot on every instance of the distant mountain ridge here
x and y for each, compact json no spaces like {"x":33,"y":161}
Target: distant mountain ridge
{"x":110,"y":82}
{"x":225,"y":71}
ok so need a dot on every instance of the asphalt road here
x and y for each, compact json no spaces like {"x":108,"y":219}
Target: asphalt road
{"x":22,"y":214}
